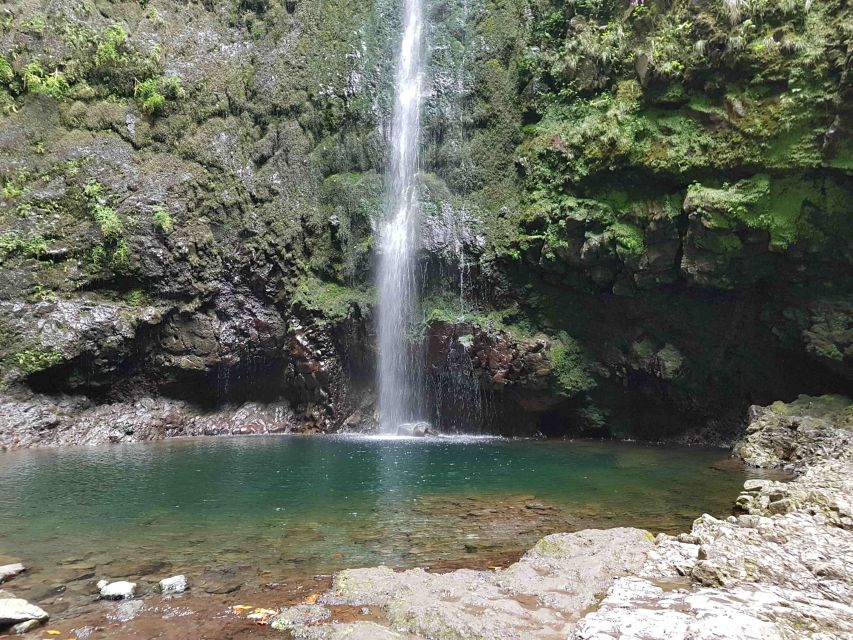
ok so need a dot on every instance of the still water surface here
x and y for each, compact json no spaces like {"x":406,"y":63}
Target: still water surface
{"x":279,"y":506}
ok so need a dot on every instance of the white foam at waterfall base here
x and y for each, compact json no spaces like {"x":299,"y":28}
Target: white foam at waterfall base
{"x":397,"y":289}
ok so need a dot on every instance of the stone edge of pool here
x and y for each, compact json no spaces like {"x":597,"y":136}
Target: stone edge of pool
{"x":782,"y":568}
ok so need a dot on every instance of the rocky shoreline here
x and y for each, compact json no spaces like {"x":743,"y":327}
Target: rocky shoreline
{"x":781,"y":568}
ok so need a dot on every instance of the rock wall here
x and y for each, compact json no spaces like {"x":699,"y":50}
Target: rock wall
{"x":635,"y":215}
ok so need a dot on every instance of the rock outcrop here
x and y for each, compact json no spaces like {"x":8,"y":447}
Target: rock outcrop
{"x":657,"y":192}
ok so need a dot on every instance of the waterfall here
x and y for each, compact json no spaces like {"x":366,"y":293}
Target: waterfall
{"x":397,"y":286}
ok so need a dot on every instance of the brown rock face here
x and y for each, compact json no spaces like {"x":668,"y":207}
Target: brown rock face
{"x":502,"y":381}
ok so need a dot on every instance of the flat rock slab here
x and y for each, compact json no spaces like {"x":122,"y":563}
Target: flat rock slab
{"x":541,"y":596}
{"x":782,"y":570}
{"x":10,"y":570}
{"x":16,"y":610}
{"x":636,"y":608}
{"x":296,"y":618}
{"x":353,"y":631}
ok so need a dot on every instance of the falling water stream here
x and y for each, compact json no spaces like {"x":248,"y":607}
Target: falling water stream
{"x":398,"y":372}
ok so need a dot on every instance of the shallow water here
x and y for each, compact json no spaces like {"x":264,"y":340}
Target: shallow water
{"x":270,"y":508}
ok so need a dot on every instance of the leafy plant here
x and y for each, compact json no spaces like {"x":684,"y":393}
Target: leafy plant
{"x":37,"y":80}
{"x":569,"y":366}
{"x":108,"y":221}
{"x":163,"y":219}
{"x":111,"y":51}
{"x":6,"y":72}
{"x":34,"y":360}
{"x":152,"y":94}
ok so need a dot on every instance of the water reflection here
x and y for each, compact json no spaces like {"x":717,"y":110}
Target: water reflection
{"x":286,"y":505}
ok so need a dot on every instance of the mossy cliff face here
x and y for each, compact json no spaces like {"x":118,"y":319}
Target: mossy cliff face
{"x":658,"y":195}
{"x":676,"y":219}
{"x":188,"y":193}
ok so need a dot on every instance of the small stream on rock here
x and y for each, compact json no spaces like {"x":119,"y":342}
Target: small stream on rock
{"x":235,"y":512}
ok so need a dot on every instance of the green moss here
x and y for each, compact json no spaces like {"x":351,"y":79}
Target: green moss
{"x":154,"y":94}
{"x":163,"y":219}
{"x":792,"y":210}
{"x":32,"y":361}
{"x":112,"y":51}
{"x":629,"y":237}
{"x":30,"y":246}
{"x":570,"y":367}
{"x":112,"y":255}
{"x":135,"y":297}
{"x":37,"y":80}
{"x":35,"y":247}
{"x":108,"y":221}
{"x":330,"y":300}
{"x":6,"y":73}
{"x":35,"y":25}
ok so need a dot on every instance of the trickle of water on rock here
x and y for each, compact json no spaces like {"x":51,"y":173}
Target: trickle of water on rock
{"x":398,"y":365}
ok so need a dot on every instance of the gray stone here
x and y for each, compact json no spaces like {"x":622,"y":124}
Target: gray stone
{"x":17,"y":610}
{"x":25,"y":627}
{"x":10,"y":570}
{"x":353,"y":631}
{"x":537,"y":597}
{"x":295,"y":619}
{"x":118,"y":590}
{"x":175,"y":584}
{"x":414,"y":429}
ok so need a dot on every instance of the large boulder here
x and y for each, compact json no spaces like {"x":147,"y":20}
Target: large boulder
{"x":798,"y":433}
{"x":16,"y":610}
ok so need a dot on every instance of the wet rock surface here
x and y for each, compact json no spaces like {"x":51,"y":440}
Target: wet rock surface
{"x":42,"y":420}
{"x":175,"y":584}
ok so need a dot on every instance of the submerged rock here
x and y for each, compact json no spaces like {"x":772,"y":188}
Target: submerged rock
{"x":295,"y":619}
{"x":25,"y":627}
{"x":126,"y":611}
{"x":414,"y":429}
{"x":117,"y":590}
